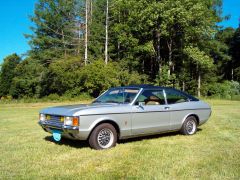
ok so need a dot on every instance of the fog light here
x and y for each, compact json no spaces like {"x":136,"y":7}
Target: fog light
{"x":62,"y":119}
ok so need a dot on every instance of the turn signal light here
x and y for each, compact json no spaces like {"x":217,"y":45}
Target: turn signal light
{"x":75,"y":121}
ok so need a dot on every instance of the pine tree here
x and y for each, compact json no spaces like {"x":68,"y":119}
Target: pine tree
{"x":57,"y":30}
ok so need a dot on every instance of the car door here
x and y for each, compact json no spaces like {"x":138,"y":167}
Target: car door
{"x":150,"y":113}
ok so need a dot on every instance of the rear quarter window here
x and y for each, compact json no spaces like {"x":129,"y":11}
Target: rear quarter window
{"x":174,"y":96}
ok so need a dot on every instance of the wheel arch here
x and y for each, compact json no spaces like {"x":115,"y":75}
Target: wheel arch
{"x":191,"y":114}
{"x":113,"y":123}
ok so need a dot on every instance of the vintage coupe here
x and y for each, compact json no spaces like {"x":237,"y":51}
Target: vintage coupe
{"x":125,"y":112}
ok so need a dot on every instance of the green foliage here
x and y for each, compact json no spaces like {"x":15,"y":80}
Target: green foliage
{"x":97,"y":29}
{"x":169,"y":43}
{"x":164,"y":78}
{"x":8,"y":72}
{"x":56,"y":30}
{"x":235,"y":52}
{"x":69,"y":78}
{"x":97,"y":77}
{"x":60,"y":76}
{"x":199,"y":57}
{"x":226,"y":89}
{"x":220,"y":51}
{"x":127,"y":78}
{"x":26,"y":82}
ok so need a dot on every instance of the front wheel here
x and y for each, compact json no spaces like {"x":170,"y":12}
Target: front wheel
{"x":103,"y":136}
{"x":189,"y":126}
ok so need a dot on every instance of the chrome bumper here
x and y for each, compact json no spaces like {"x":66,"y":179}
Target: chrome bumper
{"x":66,"y":129}
{"x":70,"y":132}
{"x":62,"y":127}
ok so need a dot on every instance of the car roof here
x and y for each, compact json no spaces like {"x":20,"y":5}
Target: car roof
{"x":149,"y":86}
{"x":144,"y":86}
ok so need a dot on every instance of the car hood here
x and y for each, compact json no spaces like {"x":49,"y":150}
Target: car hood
{"x":70,"y":110}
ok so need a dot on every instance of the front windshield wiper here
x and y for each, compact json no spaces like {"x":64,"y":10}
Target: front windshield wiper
{"x":96,"y":101}
{"x":111,"y":101}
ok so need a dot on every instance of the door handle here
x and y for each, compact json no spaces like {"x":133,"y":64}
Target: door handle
{"x":167,"y":108}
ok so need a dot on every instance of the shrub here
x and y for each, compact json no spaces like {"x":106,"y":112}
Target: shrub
{"x":97,"y":77}
{"x":53,"y":97}
{"x":227,"y":89}
{"x":26,"y":83}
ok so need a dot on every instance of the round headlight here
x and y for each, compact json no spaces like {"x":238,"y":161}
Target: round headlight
{"x":42,"y":117}
{"x":68,"y":121}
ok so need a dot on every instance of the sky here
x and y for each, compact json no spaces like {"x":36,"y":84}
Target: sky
{"x":14,"y":22}
{"x":232,"y":8}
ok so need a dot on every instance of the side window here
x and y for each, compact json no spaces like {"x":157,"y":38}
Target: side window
{"x":175,"y":97}
{"x":151,"y":97}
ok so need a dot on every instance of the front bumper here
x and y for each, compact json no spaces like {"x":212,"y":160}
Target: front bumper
{"x":71,"y":132}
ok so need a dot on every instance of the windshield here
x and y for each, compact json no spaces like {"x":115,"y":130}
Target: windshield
{"x":118,"y":95}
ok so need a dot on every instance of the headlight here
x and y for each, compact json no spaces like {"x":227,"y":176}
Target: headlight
{"x":71,"y":121}
{"x":42,"y":117}
{"x":68,"y":121}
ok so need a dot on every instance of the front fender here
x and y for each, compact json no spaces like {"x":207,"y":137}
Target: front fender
{"x":102,"y":119}
{"x":88,"y":123}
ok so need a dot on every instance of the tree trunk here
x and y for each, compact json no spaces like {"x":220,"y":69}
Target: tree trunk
{"x":118,"y":43}
{"x":118,"y":50}
{"x":199,"y":82}
{"x":91,"y":10}
{"x":106,"y":40}
{"x":143,"y":65}
{"x":79,"y":38}
{"x":169,"y":44}
{"x":158,"y":35}
{"x":86,"y":34}
{"x":64,"y":45}
{"x":183,"y":86}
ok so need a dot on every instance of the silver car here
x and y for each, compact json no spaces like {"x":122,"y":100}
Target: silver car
{"x":126,"y":112}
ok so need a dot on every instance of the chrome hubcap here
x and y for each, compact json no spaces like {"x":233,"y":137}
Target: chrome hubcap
{"x":105,"y":138}
{"x":191,"y":126}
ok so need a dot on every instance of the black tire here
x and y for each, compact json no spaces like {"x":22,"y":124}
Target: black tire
{"x":104,"y":136}
{"x":189,"y":126}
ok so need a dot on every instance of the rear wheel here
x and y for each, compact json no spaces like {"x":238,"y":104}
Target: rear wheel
{"x":103,"y":136}
{"x":189,"y":126}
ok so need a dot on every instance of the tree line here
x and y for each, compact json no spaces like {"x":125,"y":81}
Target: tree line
{"x":87,"y":46}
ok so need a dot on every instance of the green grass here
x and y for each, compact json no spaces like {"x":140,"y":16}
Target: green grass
{"x":27,"y":152}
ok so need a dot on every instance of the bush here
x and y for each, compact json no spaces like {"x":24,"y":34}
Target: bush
{"x":98,"y":77}
{"x":227,"y":89}
{"x":53,"y":97}
{"x":164,"y":79}
{"x":68,"y":78}
{"x":26,"y":83}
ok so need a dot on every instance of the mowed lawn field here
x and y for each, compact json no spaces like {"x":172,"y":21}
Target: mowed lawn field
{"x":27,"y":152}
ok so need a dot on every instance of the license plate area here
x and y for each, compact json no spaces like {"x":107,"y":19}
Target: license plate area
{"x":57,"y":134}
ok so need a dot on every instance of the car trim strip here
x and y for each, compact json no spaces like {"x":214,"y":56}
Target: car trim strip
{"x":146,"y":112}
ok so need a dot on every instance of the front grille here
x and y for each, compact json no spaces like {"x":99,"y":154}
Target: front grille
{"x":54,"y":120}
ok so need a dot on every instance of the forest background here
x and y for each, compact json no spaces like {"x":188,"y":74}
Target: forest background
{"x":81,"y":48}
